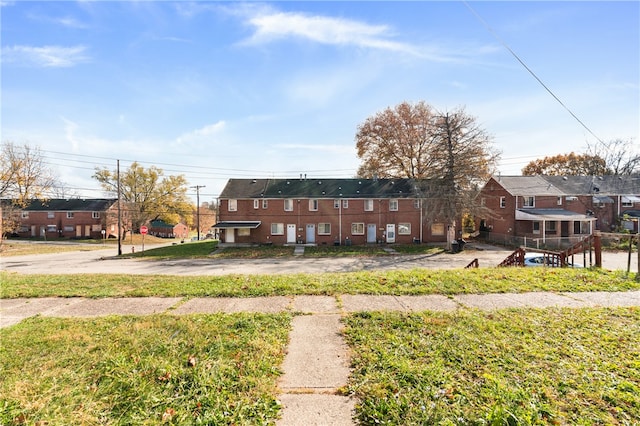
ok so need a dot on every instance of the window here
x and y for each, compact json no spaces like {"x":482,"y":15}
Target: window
{"x":277,"y":229}
{"x":368,"y":205}
{"x":288,"y":205}
{"x":324,"y":229}
{"x":68,"y":228}
{"x":529,"y":202}
{"x":345,"y":204}
{"x":233,"y":205}
{"x":53,"y":228}
{"x":265,"y":204}
{"x":313,"y":205}
{"x":417,"y":204}
{"x":404,"y":229}
{"x":256,"y":204}
{"x":96,"y":228}
{"x":559,"y":201}
{"x":336,"y":204}
{"x":69,"y":215}
{"x":437,"y":229}
{"x":626,"y":203}
{"x":393,"y":205}
{"x":357,"y":229}
{"x":95,"y":215}
{"x":51,"y":215}
{"x":244,"y":232}
{"x":503,"y":202}
{"x":25,"y":215}
{"x":551,"y":227}
{"x":581,"y":227}
{"x":536,"y":227}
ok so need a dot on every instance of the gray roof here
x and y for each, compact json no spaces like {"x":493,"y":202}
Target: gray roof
{"x":73,"y":204}
{"x":319,"y":188}
{"x":570,"y":185}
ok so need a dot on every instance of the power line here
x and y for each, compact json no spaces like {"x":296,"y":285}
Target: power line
{"x":504,"y":44}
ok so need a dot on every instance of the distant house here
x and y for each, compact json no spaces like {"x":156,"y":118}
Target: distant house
{"x":324,"y":212}
{"x":548,"y":208}
{"x":162,"y":229}
{"x":69,"y":218}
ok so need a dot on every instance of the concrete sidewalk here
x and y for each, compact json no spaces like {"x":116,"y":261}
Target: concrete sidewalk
{"x":317,"y":362}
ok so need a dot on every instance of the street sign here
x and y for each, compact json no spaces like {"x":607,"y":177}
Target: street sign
{"x":144,"y":230}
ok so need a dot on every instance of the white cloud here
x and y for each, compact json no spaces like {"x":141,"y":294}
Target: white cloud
{"x":271,"y":26}
{"x":45,"y":56}
{"x":201,"y":134}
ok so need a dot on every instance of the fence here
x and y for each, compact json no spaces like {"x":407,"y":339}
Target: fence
{"x":548,"y":243}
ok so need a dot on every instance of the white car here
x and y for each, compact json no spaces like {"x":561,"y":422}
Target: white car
{"x":541,"y":259}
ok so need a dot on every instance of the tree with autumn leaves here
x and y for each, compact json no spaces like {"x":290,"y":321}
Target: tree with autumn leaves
{"x":147,"y":194}
{"x":448,"y":154}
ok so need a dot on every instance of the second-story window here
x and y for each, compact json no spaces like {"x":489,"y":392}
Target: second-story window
{"x":69,"y":215}
{"x":393,"y":205}
{"x":368,"y":205}
{"x":233,"y":205}
{"x":503,"y":202}
{"x":288,"y":205}
{"x":313,"y":205}
{"x":336,"y":204}
{"x":51,"y":215}
{"x":528,"y":202}
{"x":265,"y":204}
{"x":25,"y":215}
{"x":95,"y":215}
{"x":256,"y":204}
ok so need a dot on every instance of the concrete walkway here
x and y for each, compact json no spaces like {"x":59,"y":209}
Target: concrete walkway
{"x":317,"y":362}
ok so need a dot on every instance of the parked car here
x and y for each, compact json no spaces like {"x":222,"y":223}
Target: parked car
{"x":542,"y":259}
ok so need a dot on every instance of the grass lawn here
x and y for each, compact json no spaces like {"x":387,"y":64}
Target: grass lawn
{"x":512,"y":367}
{"x":406,"y":282}
{"x":205,"y":369}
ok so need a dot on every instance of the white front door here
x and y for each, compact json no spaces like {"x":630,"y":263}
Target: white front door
{"x":391,"y":233}
{"x":311,"y":233}
{"x":291,"y":233}
{"x":230,"y":235}
{"x":371,"y":233}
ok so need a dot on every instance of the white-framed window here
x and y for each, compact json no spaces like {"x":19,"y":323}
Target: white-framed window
{"x":70,"y":215}
{"x":536,"y":227}
{"x":313,"y":205}
{"x":233,"y":205}
{"x":551,"y":227}
{"x":288,"y":205}
{"x":393,"y":205}
{"x":256,"y":204}
{"x":559,"y":201}
{"x":417,"y":203}
{"x":265,"y":204}
{"x":368,"y":205}
{"x":96,"y":228}
{"x":503,"y":202}
{"x":345,"y":204}
{"x":244,"y":232}
{"x":357,"y":229}
{"x":277,"y":229}
{"x":627,"y":204}
{"x":529,"y":202}
{"x":336,"y":204}
{"x":95,"y":215}
{"x":404,"y":229}
{"x":51,"y":215}
{"x":54,"y":228}
{"x":68,"y":228}
{"x":24,"y":215}
{"x":437,"y":229}
{"x":324,"y":229}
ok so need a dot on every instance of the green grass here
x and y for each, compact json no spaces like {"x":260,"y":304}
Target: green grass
{"x":191,"y":250}
{"x":515,"y":367}
{"x":405,"y":282}
{"x":205,"y":369}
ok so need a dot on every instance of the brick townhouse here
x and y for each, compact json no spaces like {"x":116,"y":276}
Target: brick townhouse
{"x":324,"y":212}
{"x":68,"y":218}
{"x":558,"y":207}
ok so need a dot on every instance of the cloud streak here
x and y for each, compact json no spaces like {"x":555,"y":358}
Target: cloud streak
{"x":45,"y":56}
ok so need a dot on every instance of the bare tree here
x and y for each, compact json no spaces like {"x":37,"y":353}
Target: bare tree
{"x":449,"y":155}
{"x":622,"y":157}
{"x":24,"y":175}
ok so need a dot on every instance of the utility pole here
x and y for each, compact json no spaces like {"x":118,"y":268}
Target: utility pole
{"x":197,"y":187}
{"x":119,"y":210}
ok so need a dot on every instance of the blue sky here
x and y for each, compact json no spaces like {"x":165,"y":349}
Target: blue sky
{"x":218,"y":90}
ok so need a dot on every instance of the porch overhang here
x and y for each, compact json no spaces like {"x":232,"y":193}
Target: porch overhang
{"x":536,"y":215}
{"x":238,"y":224}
